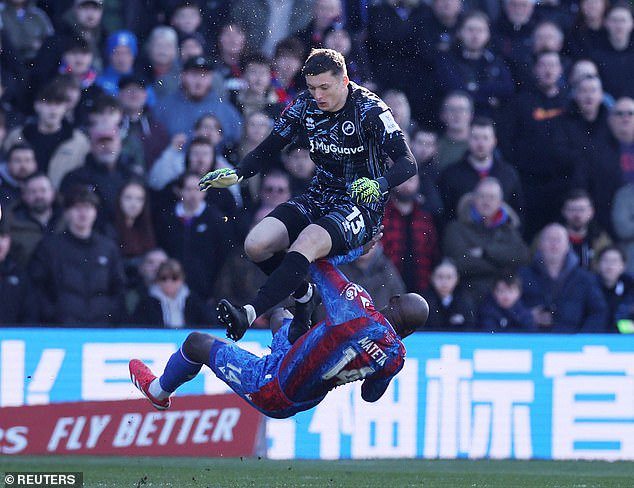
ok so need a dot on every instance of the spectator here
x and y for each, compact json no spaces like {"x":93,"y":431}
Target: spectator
{"x":549,"y":36}
{"x":191,"y":46}
{"x":484,"y":240}
{"x":77,"y":61}
{"x":26,"y":27}
{"x":133,"y":224}
{"x":615,"y":55}
{"x":527,"y":140}
{"x":481,"y":161}
{"x":613,"y":165}
{"x":563,"y":297}
{"x":401,"y":110}
{"x":587,"y":239}
{"x":179,"y":110}
{"x":231,"y":45}
{"x":70,"y":87}
{"x":257,"y":126}
{"x":273,"y":22}
{"x":16,"y":295}
{"x":146,"y":274}
{"x":200,"y":158}
{"x":170,"y":303}
{"x":424,"y":145}
{"x":410,"y":239}
{"x":503,"y":310}
{"x":394,"y":51}
{"x":513,"y":37}
{"x":471,"y":67}
{"x":78,"y":274}
{"x":58,"y":147}
{"x":588,"y":30}
{"x":82,"y":22}
{"x":36,"y":215}
{"x":297,"y":162}
{"x":20,"y":165}
{"x":171,"y":164}
{"x":122,"y":49}
{"x":623,"y":222}
{"x":107,"y":111}
{"x":105,"y":170}
{"x":450,"y":307}
{"x":196,"y":234}
{"x":145,"y":136}
{"x":274,"y":190}
{"x":162,"y":65}
{"x":456,"y":115}
{"x":440,"y":25}
{"x":341,"y":40}
{"x":257,"y":95}
{"x":186,"y":18}
{"x":326,"y":14}
{"x":617,"y":286}
{"x":287,"y":63}
{"x":582,"y":127}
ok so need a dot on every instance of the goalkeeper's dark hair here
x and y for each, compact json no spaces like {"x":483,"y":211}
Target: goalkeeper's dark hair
{"x":323,"y":61}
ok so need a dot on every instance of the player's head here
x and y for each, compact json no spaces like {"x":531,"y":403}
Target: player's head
{"x":327,"y":78}
{"x":406,"y":312}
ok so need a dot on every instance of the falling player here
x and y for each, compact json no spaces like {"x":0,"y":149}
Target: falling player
{"x":355,"y":342}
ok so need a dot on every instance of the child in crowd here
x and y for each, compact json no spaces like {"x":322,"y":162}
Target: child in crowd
{"x":503,"y":310}
{"x":450,"y":307}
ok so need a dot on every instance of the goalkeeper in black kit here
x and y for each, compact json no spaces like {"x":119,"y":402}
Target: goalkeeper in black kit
{"x":352,"y":133}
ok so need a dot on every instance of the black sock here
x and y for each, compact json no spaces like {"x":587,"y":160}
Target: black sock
{"x":271,"y":264}
{"x":282,"y":282}
{"x":301,"y":290}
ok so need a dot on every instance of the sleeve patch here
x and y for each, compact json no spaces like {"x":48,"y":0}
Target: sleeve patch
{"x":389,"y":122}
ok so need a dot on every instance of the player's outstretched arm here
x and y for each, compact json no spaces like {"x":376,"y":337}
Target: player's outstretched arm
{"x":372,"y":390}
{"x":250,"y":165}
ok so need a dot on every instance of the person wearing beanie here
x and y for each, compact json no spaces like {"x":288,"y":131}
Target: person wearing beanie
{"x":121,"y":52}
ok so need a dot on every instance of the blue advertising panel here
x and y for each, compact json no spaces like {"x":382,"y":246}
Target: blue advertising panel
{"x":458,"y":396}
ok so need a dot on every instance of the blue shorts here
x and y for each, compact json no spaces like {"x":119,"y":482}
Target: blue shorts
{"x":256,"y":378}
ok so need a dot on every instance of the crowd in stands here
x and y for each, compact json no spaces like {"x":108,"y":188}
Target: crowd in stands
{"x":520,"y":114}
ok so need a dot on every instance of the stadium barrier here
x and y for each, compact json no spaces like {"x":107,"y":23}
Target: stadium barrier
{"x":458,"y":396}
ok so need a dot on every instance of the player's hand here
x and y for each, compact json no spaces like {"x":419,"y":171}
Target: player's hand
{"x":219,"y":178}
{"x":367,"y":247}
{"x":365,"y":190}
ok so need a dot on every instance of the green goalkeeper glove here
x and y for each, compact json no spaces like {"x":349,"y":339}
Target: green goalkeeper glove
{"x":219,"y":178}
{"x":365,"y":190}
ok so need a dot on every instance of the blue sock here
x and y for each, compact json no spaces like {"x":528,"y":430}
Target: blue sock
{"x":179,"y":370}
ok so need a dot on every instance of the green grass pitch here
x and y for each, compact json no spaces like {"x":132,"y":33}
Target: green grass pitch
{"x":263,"y":473}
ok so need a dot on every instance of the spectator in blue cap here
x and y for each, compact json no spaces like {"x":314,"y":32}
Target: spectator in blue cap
{"x":121,"y":52}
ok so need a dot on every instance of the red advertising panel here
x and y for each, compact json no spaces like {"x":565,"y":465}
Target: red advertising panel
{"x":197,"y":425}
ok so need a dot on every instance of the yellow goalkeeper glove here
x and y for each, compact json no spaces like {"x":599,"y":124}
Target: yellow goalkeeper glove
{"x":219,"y":178}
{"x":365,"y":190}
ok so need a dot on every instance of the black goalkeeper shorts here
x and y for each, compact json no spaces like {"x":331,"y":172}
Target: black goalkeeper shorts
{"x":348,"y":225}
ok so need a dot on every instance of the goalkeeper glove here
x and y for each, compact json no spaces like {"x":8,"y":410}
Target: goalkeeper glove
{"x":219,"y":178}
{"x":365,"y":190}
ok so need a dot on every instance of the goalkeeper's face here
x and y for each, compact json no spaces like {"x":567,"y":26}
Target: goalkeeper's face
{"x":330,"y":91}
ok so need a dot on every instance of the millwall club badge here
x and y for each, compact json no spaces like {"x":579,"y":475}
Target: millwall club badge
{"x":348,"y":128}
